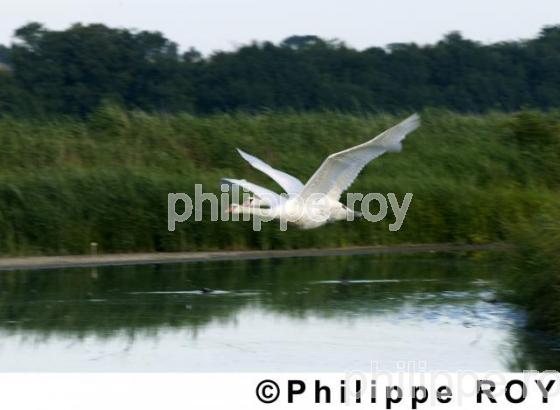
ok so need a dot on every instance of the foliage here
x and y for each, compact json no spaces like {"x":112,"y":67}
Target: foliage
{"x":535,"y":276}
{"x":74,"y":71}
{"x":66,"y":182}
{"x":537,"y":137}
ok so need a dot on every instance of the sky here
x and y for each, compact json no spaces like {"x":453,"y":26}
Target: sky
{"x":210,"y":25}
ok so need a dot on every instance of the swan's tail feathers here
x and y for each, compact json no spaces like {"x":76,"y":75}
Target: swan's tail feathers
{"x":354,"y":214}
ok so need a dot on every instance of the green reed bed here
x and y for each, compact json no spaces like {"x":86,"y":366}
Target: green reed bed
{"x":65,"y":183}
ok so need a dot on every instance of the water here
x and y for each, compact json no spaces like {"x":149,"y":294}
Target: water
{"x":413,"y":312}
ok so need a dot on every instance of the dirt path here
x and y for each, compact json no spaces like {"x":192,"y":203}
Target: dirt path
{"x":51,"y":262}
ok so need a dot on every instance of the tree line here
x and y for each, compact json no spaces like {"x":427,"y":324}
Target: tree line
{"x":74,"y":71}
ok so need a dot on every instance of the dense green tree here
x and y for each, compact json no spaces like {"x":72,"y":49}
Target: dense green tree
{"x":73,"y":71}
{"x":4,"y":55}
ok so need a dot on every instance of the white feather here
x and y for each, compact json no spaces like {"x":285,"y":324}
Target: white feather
{"x":332,"y":178}
{"x":339,"y":170}
{"x":270,"y":198}
{"x":291,"y":185}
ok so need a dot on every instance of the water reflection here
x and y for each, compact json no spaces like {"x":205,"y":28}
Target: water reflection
{"x":333,"y":313}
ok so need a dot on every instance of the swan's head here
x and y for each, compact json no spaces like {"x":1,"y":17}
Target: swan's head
{"x":234,"y":209}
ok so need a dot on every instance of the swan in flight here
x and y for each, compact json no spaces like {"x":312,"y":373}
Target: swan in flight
{"x":318,"y":201}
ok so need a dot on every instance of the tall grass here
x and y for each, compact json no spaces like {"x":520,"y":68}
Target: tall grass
{"x":65,"y":183}
{"x":535,"y":273}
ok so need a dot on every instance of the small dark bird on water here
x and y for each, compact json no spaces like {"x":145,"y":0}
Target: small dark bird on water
{"x":206,"y":290}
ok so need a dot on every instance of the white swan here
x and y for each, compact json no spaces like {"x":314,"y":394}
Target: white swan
{"x":318,"y":201}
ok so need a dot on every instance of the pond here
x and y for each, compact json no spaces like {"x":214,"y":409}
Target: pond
{"x":342,"y":313}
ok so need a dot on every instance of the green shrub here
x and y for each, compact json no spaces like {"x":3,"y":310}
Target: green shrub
{"x":65,"y":182}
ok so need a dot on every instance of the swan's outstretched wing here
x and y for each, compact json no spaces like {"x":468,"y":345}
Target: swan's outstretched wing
{"x":290,"y":184}
{"x":271,"y":198}
{"x":339,"y":170}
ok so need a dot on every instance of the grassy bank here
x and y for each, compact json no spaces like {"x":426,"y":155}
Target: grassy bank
{"x":65,"y":183}
{"x":535,"y":273}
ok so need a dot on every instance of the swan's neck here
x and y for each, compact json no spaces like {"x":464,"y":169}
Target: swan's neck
{"x":262,"y":212}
